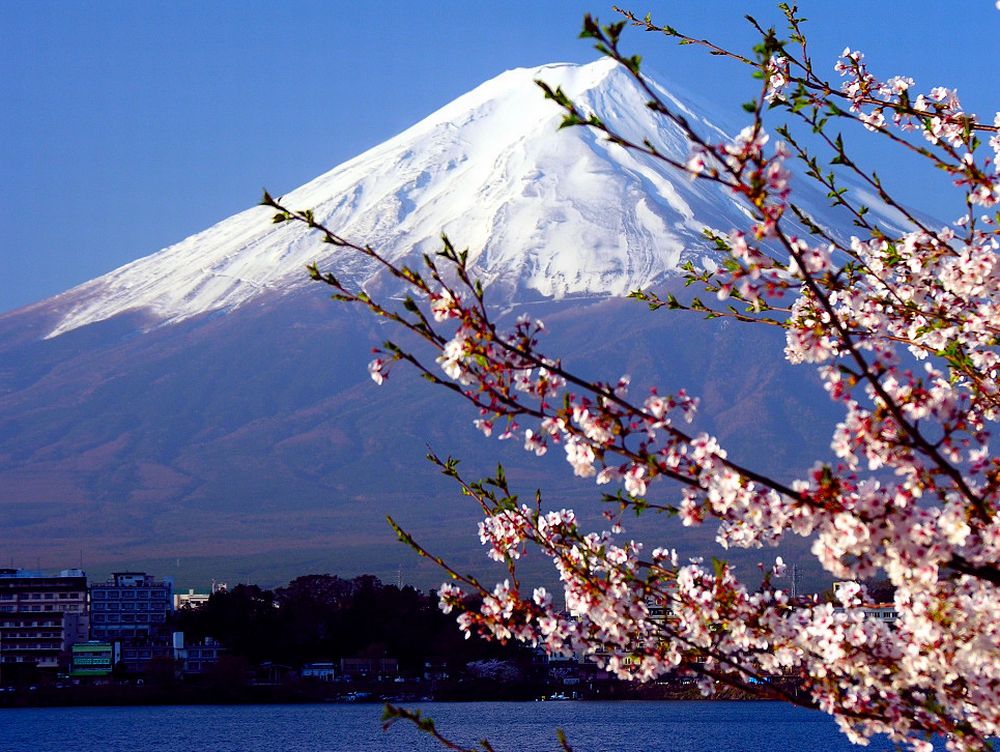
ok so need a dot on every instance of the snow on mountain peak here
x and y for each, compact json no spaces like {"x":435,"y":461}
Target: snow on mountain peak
{"x":543,"y":212}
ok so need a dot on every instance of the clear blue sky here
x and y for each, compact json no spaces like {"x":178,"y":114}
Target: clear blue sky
{"x":126,"y":126}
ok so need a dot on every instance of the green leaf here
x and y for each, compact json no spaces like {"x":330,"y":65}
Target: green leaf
{"x":570,"y":120}
{"x":614,"y":31}
{"x":719,"y":567}
{"x":633,"y":63}
{"x":591,"y":29}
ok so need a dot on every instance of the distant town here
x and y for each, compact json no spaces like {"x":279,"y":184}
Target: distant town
{"x":132,"y":638}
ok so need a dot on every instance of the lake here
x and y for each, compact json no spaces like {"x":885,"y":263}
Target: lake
{"x":697,"y":726}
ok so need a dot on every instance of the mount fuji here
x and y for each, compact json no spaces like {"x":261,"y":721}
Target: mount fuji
{"x":204,"y":411}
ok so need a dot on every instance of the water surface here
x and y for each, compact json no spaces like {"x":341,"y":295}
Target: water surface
{"x":699,"y":726}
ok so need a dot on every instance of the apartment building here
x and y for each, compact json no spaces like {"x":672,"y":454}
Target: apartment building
{"x":131,"y":609}
{"x":41,"y":618}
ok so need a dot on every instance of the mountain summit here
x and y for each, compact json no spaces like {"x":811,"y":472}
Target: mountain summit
{"x":549,"y":213}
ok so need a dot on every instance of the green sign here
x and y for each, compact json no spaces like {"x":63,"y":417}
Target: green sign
{"x":92,"y":660}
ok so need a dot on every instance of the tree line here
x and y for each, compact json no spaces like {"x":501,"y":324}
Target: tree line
{"x":322,"y":617}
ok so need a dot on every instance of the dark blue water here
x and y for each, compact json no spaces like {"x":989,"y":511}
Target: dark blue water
{"x":511,"y":727}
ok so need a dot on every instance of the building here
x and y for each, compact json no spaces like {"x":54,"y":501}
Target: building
{"x":190,"y":599}
{"x":369,"y":668}
{"x":132,"y":609}
{"x":884,"y":612}
{"x":41,"y":618}
{"x":93,"y":659}
{"x":324,"y":671}
{"x":196,"y":658}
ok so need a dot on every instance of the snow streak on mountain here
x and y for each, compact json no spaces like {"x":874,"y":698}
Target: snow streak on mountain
{"x":549,"y":213}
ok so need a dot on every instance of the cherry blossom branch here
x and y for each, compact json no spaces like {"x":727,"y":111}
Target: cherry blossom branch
{"x":930,"y":521}
{"x":608,"y":44}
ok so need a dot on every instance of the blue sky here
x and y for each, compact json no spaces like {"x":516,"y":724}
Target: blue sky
{"x":127,"y":126}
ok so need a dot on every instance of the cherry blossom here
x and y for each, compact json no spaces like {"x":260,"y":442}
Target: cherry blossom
{"x":902,"y":328}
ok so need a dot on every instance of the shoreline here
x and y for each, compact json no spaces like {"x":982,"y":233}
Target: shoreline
{"x":298,"y":694}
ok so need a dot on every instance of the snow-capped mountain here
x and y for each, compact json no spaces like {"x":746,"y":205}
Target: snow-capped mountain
{"x":207,"y":399}
{"x":552,"y":213}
